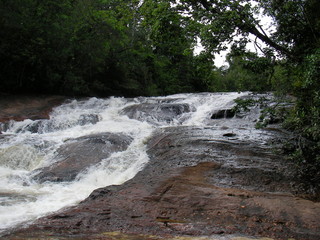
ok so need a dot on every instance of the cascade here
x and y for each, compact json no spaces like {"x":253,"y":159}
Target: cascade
{"x":28,"y":148}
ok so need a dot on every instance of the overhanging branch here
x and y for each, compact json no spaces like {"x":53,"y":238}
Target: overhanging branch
{"x":248,"y":27}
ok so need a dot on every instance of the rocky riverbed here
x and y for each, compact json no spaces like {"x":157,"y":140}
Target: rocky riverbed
{"x":224,"y":180}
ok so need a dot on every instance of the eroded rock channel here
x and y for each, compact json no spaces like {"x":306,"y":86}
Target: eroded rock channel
{"x":218,"y":180}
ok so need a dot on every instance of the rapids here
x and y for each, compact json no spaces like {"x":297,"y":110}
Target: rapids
{"x":28,"y":146}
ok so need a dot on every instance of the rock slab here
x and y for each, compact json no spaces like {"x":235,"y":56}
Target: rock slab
{"x":18,"y":108}
{"x":194,"y":185}
{"x":150,"y":112}
{"x":79,"y":154}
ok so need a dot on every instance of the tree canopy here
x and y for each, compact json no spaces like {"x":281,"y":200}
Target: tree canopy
{"x":117,"y":47}
{"x":94,"y":47}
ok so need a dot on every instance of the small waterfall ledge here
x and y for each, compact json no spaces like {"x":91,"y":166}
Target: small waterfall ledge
{"x":149,"y":168}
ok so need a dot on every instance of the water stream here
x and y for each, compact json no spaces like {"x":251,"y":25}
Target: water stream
{"x":30,"y":145}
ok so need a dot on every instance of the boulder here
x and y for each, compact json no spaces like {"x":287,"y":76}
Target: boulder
{"x":50,"y":125}
{"x":77,"y":155}
{"x":85,"y":119}
{"x":165,"y":112}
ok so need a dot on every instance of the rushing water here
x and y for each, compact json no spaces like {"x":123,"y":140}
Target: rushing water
{"x":28,"y":145}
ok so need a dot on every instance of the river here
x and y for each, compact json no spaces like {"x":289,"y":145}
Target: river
{"x":28,"y":146}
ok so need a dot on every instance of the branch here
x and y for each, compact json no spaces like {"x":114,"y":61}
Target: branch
{"x":257,"y":45}
{"x":247,"y":27}
{"x":253,"y":30}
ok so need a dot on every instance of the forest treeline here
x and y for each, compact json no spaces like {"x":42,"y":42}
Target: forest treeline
{"x":97,"y":47}
{"x":129,"y":48}
{"x":121,"y":47}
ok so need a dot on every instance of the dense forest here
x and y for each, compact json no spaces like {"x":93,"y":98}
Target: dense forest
{"x":130,"y":48}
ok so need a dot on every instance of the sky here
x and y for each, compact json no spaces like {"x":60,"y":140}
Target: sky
{"x":220,"y":59}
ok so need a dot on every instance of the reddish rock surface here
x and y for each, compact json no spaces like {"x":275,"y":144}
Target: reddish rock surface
{"x":18,"y":108}
{"x":194,"y":185}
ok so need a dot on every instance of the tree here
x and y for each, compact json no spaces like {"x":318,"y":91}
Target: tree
{"x":90,"y":47}
{"x":296,"y":41}
{"x":247,"y":72}
{"x":223,"y":20}
{"x":298,"y":24}
{"x":171,"y":45}
{"x":41,"y":45}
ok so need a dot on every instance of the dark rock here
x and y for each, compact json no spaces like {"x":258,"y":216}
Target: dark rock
{"x":77,"y":155}
{"x":34,"y":127}
{"x":224,"y":113}
{"x":154,"y":111}
{"x":85,"y":119}
{"x":4,"y":126}
{"x":229,"y":135}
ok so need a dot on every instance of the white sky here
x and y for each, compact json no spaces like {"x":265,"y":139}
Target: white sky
{"x":220,"y":59}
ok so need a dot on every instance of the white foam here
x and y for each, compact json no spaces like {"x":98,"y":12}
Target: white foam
{"x":21,"y":151}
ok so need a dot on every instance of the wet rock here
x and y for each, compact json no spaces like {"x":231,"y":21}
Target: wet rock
{"x":229,"y":135}
{"x":34,"y":127}
{"x":103,"y":192}
{"x":85,"y":119}
{"x":4,"y":126}
{"x":156,"y":112}
{"x":48,"y":125}
{"x":223,"y":113}
{"x":252,"y":178}
{"x":19,"y":108}
{"x":194,"y":185}
{"x":77,"y":155}
{"x":37,"y":126}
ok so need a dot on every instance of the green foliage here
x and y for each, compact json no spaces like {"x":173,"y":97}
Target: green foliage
{"x":89,"y":47}
{"x":306,"y":117}
{"x":57,"y":46}
{"x":246,"y":72}
{"x":274,"y":113}
{"x":298,"y":24}
{"x":244,"y":105}
{"x":296,"y":42}
{"x":307,"y":169}
{"x":171,"y":46}
{"x":271,"y":113}
{"x":304,"y":120}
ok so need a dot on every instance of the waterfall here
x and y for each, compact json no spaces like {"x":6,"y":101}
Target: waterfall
{"x":28,"y":146}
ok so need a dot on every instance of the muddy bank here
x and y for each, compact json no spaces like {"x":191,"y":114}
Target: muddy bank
{"x":194,"y":185}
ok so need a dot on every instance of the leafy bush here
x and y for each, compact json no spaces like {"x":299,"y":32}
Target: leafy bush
{"x":304,"y":120}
